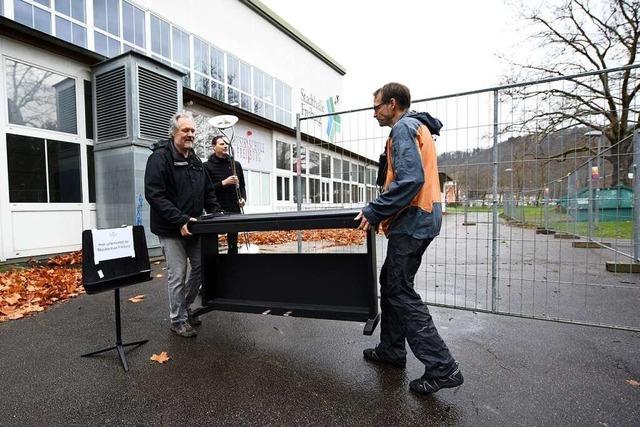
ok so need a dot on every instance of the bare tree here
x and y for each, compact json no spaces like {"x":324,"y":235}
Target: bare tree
{"x":579,"y":36}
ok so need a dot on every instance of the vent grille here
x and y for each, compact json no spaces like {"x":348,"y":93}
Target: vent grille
{"x":158,"y":102}
{"x":111,"y":105}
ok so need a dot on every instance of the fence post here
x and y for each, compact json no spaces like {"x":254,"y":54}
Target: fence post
{"x":494,"y":236}
{"x":298,"y":189}
{"x":636,"y":195}
{"x":591,"y":201}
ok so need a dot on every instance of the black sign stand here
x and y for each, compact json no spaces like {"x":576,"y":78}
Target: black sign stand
{"x":119,"y":347}
{"x":114,"y":274}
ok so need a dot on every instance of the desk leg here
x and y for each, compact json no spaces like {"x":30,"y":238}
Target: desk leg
{"x":372,"y":283}
{"x":209,"y":250}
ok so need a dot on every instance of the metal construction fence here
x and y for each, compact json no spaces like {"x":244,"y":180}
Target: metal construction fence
{"x":540,"y":189}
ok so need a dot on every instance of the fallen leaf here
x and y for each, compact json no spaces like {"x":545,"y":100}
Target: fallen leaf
{"x":15,"y":316}
{"x":12,"y":299}
{"x":136,"y":299}
{"x":633,"y":383}
{"x":160,"y":358}
{"x":158,"y":275}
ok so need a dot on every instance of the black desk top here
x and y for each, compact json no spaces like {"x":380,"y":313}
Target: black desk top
{"x":290,"y":220}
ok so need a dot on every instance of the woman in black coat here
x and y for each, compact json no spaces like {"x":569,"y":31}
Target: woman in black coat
{"x":229,"y":187}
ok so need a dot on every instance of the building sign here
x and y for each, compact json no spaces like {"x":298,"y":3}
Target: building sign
{"x":112,"y":243}
{"x":310,"y":105}
{"x":251,"y":146}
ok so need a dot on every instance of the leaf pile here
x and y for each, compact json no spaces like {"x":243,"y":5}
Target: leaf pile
{"x":29,"y":290}
{"x":336,"y":237}
{"x":73,"y":258}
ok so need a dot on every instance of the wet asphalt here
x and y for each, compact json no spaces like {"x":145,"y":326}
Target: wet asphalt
{"x":248,"y":369}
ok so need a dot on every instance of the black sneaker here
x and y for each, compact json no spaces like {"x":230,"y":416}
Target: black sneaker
{"x":371,"y":355}
{"x":193,"y":321}
{"x":183,"y":329}
{"x":424,"y":385}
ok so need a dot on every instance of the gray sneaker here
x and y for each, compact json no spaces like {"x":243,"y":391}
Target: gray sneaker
{"x":183,"y":329}
{"x":427,"y":385}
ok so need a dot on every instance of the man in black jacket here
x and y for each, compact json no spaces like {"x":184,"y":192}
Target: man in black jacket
{"x":229,"y":186}
{"x":178,"y":190}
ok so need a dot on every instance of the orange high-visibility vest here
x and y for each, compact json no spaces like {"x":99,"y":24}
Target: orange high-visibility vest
{"x":429,"y":193}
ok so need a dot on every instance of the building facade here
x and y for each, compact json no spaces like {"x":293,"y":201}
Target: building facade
{"x":237,"y":57}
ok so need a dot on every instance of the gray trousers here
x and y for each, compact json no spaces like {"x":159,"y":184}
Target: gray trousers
{"x":182,"y":292}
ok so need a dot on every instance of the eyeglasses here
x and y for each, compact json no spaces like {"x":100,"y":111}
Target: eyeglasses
{"x":377,"y":107}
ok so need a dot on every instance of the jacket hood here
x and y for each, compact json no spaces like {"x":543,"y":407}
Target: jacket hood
{"x":159,"y":144}
{"x":434,"y":125}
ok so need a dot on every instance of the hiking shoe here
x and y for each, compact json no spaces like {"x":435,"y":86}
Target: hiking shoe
{"x":184,"y":330}
{"x":371,"y":355}
{"x":193,"y":321}
{"x":424,"y":385}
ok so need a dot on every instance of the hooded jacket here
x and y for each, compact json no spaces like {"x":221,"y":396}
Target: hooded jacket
{"x":220,"y":169}
{"x":176,"y":188}
{"x":410,"y":201}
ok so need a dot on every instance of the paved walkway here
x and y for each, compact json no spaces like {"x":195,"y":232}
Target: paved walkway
{"x":246,"y":369}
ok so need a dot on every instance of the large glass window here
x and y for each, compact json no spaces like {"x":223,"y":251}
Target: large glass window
{"x":326,"y":192}
{"x":180,"y":47}
{"x":88,"y":109}
{"x":92,"y":174}
{"x":299,"y":161}
{"x":160,"y":37}
{"x":346,"y":192}
{"x":71,"y":32}
{"x":27,"y":169}
{"x":337,"y":192}
{"x":32,"y":16}
{"x":325,"y":165}
{"x":233,"y":71}
{"x":36,"y":178}
{"x":72,"y":8}
{"x":105,"y":45}
{"x":361,"y":174}
{"x":283,"y":103}
{"x":345,"y":170}
{"x":133,"y":24}
{"x":201,"y":56}
{"x":259,"y":188}
{"x":63,"y":166}
{"x":217,"y":64}
{"x":283,"y":155}
{"x":314,"y":190}
{"x":314,"y":163}
{"x":245,"y":77}
{"x":39,"y":98}
{"x":337,"y":168}
{"x":283,"y":188}
{"x":201,"y":84}
{"x":106,"y":16}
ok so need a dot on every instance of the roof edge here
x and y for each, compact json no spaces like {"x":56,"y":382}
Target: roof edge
{"x":278,"y":22}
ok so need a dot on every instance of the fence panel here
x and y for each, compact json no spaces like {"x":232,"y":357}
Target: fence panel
{"x":538,"y":188}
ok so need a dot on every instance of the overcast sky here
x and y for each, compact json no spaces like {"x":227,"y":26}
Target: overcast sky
{"x":435,"y":47}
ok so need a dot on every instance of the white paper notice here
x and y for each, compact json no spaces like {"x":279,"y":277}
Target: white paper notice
{"x":113,"y":243}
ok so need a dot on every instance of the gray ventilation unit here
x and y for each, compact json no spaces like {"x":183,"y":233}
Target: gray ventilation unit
{"x":134,"y":98}
{"x":111,"y":105}
{"x":154,"y":116}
